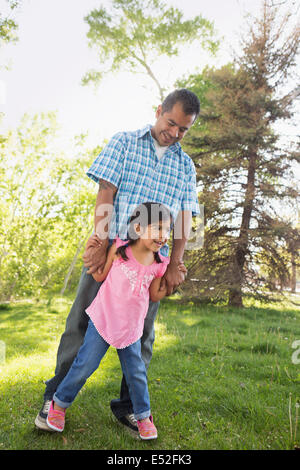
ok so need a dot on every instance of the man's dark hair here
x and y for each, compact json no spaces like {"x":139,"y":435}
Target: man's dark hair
{"x":189,"y":101}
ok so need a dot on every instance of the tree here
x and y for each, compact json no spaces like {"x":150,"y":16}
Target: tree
{"x":293,"y":249}
{"x":8,"y":28}
{"x":46,"y":203}
{"x":8,"y":25}
{"x":243,"y":165}
{"x":278,"y":257}
{"x":133,"y":33}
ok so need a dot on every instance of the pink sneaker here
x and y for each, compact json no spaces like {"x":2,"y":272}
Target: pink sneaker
{"x":147,"y":430}
{"x":56,"y":419}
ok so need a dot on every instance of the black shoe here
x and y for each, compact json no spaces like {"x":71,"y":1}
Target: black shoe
{"x":130,"y":424}
{"x":41,"y":419}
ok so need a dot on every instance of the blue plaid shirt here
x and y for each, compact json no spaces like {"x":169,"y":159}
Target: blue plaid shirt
{"x":129,"y":161}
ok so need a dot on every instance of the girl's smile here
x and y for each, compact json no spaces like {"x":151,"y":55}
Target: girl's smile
{"x":155,"y":236}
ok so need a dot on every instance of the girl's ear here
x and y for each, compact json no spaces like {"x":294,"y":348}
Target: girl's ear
{"x":139,"y":230}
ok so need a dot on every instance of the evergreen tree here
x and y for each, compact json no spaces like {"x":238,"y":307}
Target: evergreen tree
{"x":244,"y":167}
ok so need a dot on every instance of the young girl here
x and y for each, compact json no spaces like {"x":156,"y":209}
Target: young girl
{"x":132,"y":272}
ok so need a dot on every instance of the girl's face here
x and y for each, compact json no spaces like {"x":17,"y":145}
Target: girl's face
{"x":155,"y":235}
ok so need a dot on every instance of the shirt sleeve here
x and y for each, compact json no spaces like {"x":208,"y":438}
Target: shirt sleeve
{"x":163,"y":266}
{"x":120,"y":242}
{"x":189,"y":201}
{"x":109,"y":163}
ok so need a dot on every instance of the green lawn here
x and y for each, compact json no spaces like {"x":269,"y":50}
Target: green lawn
{"x":219,"y":379}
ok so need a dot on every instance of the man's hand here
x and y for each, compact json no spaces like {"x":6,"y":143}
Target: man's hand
{"x":94,"y":256}
{"x":173,"y":277}
{"x":95,"y":253}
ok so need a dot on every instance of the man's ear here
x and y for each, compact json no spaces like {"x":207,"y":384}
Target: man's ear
{"x":158,"y":111}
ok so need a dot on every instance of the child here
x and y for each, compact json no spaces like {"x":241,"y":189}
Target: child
{"x":132,"y":272}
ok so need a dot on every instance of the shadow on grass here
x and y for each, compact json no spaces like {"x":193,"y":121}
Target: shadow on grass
{"x":27,"y":327}
{"x":212,"y":315}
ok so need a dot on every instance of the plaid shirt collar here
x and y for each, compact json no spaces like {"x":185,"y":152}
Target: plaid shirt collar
{"x":147,"y":130}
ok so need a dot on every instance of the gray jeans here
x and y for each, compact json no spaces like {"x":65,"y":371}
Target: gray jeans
{"x":73,"y":336}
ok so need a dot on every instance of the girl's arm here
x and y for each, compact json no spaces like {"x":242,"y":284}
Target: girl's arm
{"x":101,"y":276}
{"x":155,"y":293}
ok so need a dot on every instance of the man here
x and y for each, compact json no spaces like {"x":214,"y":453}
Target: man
{"x":134,"y":167}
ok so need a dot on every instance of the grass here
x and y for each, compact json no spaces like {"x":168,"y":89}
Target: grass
{"x":220,"y":378}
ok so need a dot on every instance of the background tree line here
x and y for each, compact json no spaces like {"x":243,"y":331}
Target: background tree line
{"x":245,"y":168}
{"x":46,"y":209}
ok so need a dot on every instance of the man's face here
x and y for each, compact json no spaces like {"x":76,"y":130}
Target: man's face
{"x":171,"y":126}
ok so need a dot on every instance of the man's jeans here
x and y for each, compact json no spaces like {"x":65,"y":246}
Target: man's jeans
{"x":87,"y":361}
{"x":72,"y":339}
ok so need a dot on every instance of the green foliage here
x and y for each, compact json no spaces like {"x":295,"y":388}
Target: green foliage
{"x":8,"y":25}
{"x":133,"y":33}
{"x":46,"y":208}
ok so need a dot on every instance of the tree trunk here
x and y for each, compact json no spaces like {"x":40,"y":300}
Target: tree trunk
{"x":72,"y":265}
{"x":239,"y":257}
{"x":293,"y":273}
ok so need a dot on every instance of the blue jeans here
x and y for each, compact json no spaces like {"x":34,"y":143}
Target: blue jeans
{"x":87,"y":361}
{"x":73,"y":336}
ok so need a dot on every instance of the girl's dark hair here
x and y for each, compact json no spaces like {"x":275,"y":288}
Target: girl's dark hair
{"x":144,"y":214}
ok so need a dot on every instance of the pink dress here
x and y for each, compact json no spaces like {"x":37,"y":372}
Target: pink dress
{"x":120,"y":307}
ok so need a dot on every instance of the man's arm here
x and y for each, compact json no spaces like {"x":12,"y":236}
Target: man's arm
{"x":99,"y":277}
{"x":95,"y":257}
{"x":174,"y":277}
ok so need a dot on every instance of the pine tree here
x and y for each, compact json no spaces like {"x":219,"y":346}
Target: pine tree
{"x":244,"y":168}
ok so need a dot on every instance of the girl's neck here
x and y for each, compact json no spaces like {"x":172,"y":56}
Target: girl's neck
{"x":142,"y":254}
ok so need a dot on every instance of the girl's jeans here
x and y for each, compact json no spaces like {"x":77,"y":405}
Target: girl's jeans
{"x":73,"y":336}
{"x":87,"y":361}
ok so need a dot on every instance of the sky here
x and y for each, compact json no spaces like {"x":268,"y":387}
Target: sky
{"x":52,"y":55}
